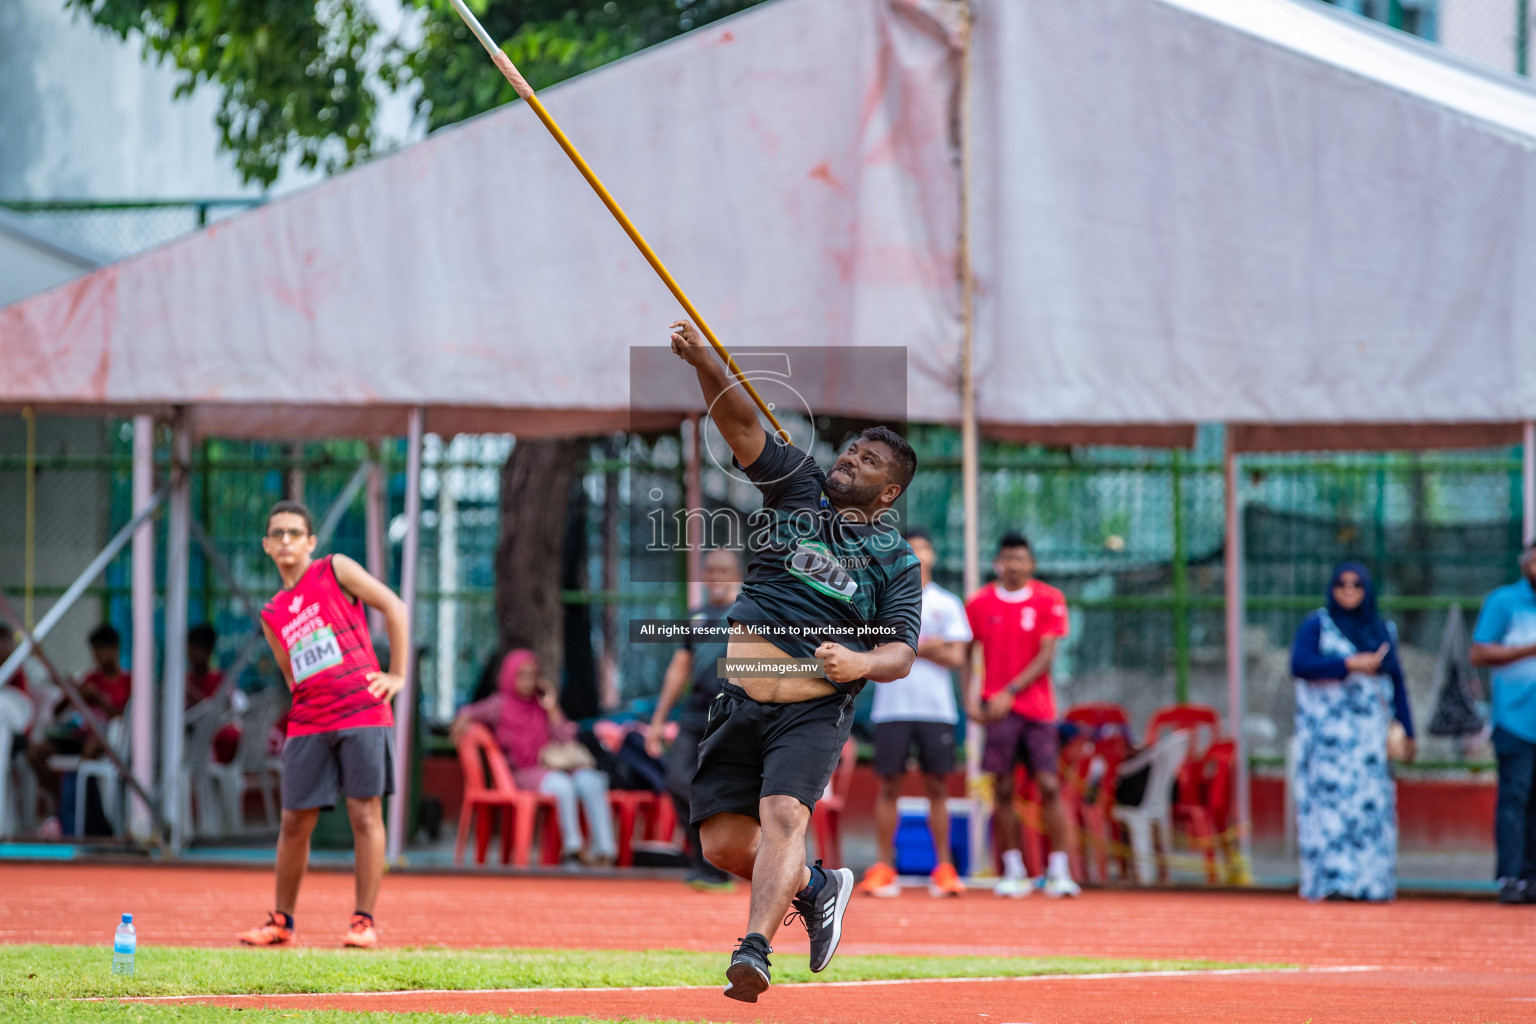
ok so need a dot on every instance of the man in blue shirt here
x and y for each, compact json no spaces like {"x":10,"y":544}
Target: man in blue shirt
{"x":1505,"y":641}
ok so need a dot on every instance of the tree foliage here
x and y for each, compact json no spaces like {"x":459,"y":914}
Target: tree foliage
{"x":301,"y":79}
{"x":290,"y":73}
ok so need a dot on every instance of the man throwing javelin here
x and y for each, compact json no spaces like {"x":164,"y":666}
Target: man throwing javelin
{"x":340,"y":729}
{"x":827,"y":559}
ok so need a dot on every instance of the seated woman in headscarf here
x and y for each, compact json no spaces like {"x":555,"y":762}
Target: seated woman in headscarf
{"x":539,"y":744}
{"x":1349,"y":688}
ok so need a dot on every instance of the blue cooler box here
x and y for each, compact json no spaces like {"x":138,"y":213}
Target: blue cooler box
{"x":914,"y":844}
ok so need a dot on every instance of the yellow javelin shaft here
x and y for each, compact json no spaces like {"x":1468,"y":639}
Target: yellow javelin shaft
{"x":524,"y":90}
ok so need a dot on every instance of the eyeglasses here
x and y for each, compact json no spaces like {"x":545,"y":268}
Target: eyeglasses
{"x":279,"y":534}
{"x":1349,"y":583}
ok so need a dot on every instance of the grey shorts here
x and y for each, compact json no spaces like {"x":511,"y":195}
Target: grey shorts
{"x":359,"y":763}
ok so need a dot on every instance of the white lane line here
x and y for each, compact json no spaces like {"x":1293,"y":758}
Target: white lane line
{"x":1221,"y":972}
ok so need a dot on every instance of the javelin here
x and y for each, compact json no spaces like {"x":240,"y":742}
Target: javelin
{"x":520,"y":84}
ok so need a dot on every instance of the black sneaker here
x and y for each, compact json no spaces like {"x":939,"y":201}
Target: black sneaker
{"x":748,"y":973}
{"x":1514,"y":890}
{"x":823,"y":915}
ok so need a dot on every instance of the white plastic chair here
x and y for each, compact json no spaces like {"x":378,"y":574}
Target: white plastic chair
{"x":16,"y":713}
{"x":203,"y":720}
{"x":1292,"y":792}
{"x":1155,"y":811}
{"x":253,"y":759}
{"x":108,"y":782}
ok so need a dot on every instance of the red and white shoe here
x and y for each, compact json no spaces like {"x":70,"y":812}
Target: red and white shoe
{"x":277,"y":930}
{"x":361,"y":934}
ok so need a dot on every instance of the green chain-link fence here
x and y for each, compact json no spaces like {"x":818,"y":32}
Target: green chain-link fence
{"x":112,"y":229}
{"x":1135,"y":538}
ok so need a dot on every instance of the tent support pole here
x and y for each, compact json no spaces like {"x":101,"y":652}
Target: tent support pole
{"x":173,"y":689}
{"x":374,"y":516}
{"x":969,"y":428}
{"x":1236,"y":616}
{"x":694,"y":497}
{"x":1528,"y":481}
{"x":405,"y":702}
{"x":447,"y":584}
{"x":142,"y":724}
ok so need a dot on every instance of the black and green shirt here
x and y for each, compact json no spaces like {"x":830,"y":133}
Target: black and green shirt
{"x":819,"y":573}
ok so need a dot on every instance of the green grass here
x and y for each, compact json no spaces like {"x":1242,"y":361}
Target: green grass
{"x":42,"y":984}
{"x":65,"y":972}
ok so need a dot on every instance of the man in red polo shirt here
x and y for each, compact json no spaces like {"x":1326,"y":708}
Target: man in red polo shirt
{"x":1018,"y":621}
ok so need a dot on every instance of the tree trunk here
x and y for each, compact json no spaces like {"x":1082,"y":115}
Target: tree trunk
{"x":535,"y":483}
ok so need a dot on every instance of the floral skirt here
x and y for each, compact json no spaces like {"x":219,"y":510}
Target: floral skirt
{"x":1346,"y":805}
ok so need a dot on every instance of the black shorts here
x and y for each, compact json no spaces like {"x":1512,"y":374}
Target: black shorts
{"x":320,"y":766}
{"x":894,"y":741}
{"x":751,"y":750}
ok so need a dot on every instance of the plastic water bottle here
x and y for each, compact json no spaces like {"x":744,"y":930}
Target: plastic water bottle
{"x":124,"y":942}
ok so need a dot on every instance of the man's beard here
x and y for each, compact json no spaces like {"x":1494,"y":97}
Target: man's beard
{"x":849,"y":494}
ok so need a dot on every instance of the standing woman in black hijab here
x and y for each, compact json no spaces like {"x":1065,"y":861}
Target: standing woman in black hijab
{"x":1349,"y":688}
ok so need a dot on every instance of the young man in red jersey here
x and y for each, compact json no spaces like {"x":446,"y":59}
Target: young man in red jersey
{"x":340,"y":728}
{"x":1018,"y":621}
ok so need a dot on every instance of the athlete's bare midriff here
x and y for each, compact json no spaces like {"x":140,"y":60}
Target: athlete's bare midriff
{"x":744,"y":643}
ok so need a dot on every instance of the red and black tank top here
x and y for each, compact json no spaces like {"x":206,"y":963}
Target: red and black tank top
{"x":326,"y":635}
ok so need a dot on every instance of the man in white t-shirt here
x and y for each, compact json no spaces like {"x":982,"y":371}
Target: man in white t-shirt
{"x":919,"y":714}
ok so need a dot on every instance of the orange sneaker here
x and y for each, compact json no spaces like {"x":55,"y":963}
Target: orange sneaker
{"x":277,"y":930}
{"x":945,"y":881}
{"x":880,"y":880}
{"x":361,"y":935}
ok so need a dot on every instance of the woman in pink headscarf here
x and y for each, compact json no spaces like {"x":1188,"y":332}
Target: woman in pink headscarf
{"x":524,"y":715}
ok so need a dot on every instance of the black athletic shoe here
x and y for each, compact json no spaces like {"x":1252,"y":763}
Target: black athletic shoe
{"x":1515,"y":891}
{"x":748,"y":973}
{"x":823,"y":915}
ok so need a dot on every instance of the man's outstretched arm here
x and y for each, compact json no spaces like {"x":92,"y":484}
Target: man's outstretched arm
{"x":729,"y":404}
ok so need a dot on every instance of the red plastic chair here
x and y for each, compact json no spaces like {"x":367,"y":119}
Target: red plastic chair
{"x":1217,"y":781}
{"x":1203,"y":724}
{"x":518,"y":809}
{"x":1096,"y":716}
{"x":1192,"y":812}
{"x":1094,"y":834}
{"x":1106,"y":736}
{"x":628,"y":805}
{"x":829,"y":809}
{"x":661,"y":825}
{"x":1191,"y":718}
{"x":1208,"y":820}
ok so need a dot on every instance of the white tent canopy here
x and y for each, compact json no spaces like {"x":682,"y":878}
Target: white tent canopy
{"x":794,"y":166}
{"x":1184,"y":211}
{"x":1189,"y":210}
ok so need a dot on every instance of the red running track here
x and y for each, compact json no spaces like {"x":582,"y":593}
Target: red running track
{"x":1447,"y":960}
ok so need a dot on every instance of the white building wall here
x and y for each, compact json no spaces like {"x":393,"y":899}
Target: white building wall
{"x":82,"y":115}
{"x":1481,"y":29}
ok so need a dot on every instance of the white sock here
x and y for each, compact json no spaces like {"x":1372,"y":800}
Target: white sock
{"x":1013,"y":864}
{"x":1057,"y":866}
